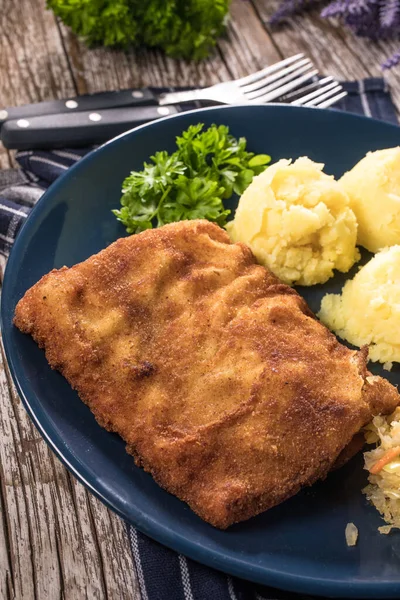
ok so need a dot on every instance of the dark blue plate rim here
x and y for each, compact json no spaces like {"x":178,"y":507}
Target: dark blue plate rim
{"x":132,"y":514}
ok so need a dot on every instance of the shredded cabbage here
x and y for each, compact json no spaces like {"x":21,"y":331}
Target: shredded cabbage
{"x":384,"y":487}
{"x":351,"y":533}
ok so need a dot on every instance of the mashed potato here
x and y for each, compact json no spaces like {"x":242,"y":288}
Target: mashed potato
{"x":297,"y":221}
{"x":368,"y":310}
{"x":373,"y":187}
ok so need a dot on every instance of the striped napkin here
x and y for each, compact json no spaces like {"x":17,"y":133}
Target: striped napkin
{"x":162,"y":573}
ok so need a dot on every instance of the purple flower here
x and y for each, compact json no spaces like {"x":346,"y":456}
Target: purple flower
{"x":343,"y":8}
{"x":289,"y":8}
{"x":374,"y":19}
{"x":392,"y":61}
{"x":336,"y":9}
{"x":389,"y":13}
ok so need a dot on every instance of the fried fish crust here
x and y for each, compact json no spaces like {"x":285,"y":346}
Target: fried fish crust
{"x":220,"y":379}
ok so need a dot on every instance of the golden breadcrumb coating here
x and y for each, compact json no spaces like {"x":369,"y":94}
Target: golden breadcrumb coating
{"x":219,"y":378}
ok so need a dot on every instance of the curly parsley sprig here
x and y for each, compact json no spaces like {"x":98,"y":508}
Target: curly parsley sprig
{"x":182,"y":28}
{"x":207,"y":168}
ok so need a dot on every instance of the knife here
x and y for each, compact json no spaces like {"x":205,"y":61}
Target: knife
{"x":77,"y":129}
{"x":90,"y":102}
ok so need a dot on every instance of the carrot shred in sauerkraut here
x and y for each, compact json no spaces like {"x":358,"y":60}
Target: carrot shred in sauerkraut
{"x":383,"y":464}
{"x":385,"y":460}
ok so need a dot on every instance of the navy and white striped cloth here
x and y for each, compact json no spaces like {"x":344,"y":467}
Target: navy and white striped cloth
{"x":162,"y":573}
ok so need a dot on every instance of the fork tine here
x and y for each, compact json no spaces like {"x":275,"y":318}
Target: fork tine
{"x":331,"y":101}
{"x":282,"y":90}
{"x":307,"y":88}
{"x":274,"y":77}
{"x":277,"y":91}
{"x":267,"y":70}
{"x":277,"y":84}
{"x":323,"y":95}
{"x":331,"y":87}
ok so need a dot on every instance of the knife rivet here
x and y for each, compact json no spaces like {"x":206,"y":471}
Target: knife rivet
{"x":23,"y":123}
{"x":137,"y":94}
{"x":3,"y":115}
{"x":95,"y":117}
{"x":71,"y":104}
{"x":163,"y":110}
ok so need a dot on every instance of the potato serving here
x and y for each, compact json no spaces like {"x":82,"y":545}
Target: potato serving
{"x":373,"y":187}
{"x":298,"y":222}
{"x":376,"y":288}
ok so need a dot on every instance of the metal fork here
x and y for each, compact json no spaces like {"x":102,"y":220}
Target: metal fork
{"x":319,"y":94}
{"x":283,"y":81}
{"x":260,"y":87}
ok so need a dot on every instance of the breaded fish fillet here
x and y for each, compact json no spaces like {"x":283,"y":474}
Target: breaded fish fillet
{"x":219,"y":378}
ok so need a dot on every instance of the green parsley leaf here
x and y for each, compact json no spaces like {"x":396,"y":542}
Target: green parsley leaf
{"x":154,"y":177}
{"x":207,"y":168}
{"x":259,"y":161}
{"x":196,"y":198}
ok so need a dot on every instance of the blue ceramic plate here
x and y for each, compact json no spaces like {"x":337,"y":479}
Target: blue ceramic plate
{"x":299,"y":545}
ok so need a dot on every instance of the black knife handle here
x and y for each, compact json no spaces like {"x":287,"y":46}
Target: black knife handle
{"x":93,"y":102}
{"x":77,"y":129}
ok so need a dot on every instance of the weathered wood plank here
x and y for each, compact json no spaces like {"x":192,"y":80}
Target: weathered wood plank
{"x":333,"y":48}
{"x":248,"y":45}
{"x":5,"y":550}
{"x":19,"y":574}
{"x":33,"y":66}
{"x":4,"y":158}
{"x":62,"y":542}
{"x":317,"y":38}
{"x":117,"y":567}
{"x":96,"y":69}
{"x":50,"y":545}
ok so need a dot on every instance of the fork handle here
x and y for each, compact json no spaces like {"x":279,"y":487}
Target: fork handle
{"x":178,"y":97}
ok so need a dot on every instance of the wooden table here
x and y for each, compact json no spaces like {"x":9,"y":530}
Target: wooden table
{"x":56,"y":540}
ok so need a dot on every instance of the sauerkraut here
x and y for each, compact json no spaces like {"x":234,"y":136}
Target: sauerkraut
{"x":351,"y":534}
{"x":383,"y":464}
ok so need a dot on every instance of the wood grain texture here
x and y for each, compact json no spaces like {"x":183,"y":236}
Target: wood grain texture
{"x":333,"y":48}
{"x":56,"y":540}
{"x":5,"y":158}
{"x":95,"y":69}
{"x":33,"y":65}
{"x":248,"y":46}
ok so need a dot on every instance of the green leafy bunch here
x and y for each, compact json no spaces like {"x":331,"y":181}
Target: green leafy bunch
{"x":207,"y":168}
{"x":183,"y":28}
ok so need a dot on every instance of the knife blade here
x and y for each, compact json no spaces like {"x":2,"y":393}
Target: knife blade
{"x":77,"y":129}
{"x":89,"y":102}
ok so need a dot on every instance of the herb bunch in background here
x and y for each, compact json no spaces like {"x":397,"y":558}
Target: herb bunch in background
{"x":207,"y":167}
{"x":183,"y":28}
{"x":374,"y":19}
